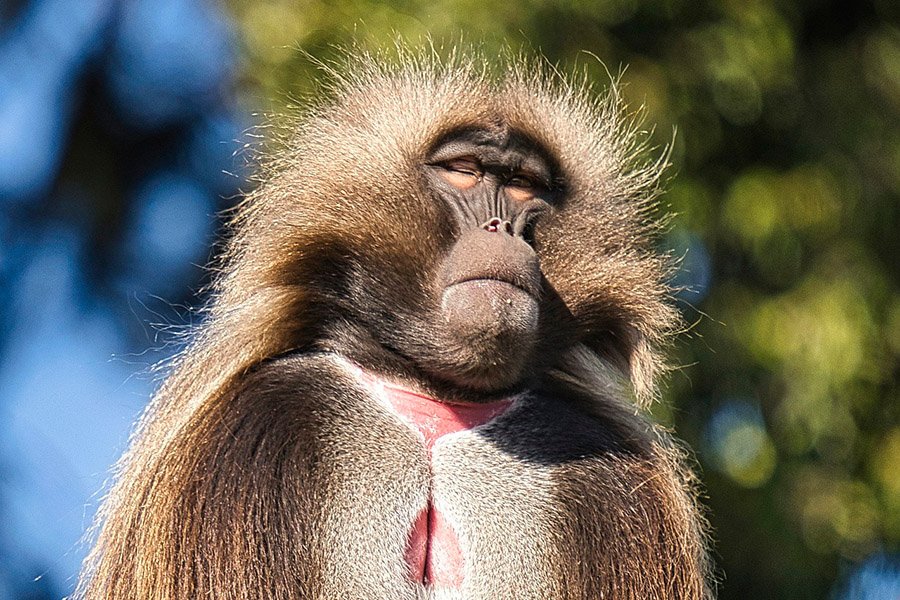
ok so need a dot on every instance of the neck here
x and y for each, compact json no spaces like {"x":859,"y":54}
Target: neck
{"x":431,"y":416}
{"x":408,"y":392}
{"x":357,"y":348}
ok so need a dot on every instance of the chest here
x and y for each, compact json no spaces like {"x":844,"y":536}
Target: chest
{"x":440,"y":501}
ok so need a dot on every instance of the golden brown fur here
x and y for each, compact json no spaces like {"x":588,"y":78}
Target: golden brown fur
{"x":242,"y":481}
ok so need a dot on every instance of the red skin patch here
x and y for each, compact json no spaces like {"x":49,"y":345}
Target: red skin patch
{"x":433,"y":553}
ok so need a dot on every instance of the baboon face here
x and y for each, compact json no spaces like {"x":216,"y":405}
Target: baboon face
{"x":496,"y":185}
{"x":470,"y":315}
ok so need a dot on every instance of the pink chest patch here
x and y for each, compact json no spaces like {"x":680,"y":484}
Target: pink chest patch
{"x":433,"y":552}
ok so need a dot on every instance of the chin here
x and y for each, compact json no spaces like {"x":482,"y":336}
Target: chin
{"x":493,"y":324}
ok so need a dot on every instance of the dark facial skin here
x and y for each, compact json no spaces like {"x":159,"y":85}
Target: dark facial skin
{"x":485,"y":174}
{"x":496,"y":185}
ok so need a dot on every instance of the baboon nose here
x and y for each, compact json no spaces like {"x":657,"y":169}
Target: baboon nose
{"x":496,"y":224}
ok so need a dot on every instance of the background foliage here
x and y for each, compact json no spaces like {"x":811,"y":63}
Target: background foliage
{"x":786,"y":185}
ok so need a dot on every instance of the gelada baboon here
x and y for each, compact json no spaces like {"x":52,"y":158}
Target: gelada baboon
{"x":421,"y":370}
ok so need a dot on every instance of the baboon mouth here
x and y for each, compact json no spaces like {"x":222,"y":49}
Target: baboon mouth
{"x":500,"y":282}
{"x":490,"y":308}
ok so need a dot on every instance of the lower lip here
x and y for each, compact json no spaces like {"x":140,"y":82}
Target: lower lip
{"x":479,"y":297}
{"x":487,"y":283}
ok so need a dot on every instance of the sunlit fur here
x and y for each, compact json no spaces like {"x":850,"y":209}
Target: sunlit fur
{"x":208,"y":501}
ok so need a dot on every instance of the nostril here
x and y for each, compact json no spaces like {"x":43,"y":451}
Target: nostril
{"x":493,"y":225}
{"x":496,"y":224}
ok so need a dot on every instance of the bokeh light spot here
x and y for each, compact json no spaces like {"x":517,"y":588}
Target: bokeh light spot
{"x":169,"y":58}
{"x":170,"y":230}
{"x":740,"y":445}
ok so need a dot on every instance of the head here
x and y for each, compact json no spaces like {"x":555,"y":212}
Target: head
{"x":473,"y":229}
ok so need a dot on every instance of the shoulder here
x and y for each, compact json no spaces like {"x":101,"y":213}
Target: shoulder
{"x":307,"y":372}
{"x":566,"y":430}
{"x":321,"y":387}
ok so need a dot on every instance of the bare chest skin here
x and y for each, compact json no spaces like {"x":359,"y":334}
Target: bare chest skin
{"x":433,"y":554}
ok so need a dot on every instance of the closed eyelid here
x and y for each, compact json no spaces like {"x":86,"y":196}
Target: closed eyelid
{"x":524,"y":175}
{"x":461,"y":176}
{"x":463,"y":164}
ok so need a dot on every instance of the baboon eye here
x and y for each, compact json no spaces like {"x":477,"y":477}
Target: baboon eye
{"x":461,"y":173}
{"x":522,"y":187}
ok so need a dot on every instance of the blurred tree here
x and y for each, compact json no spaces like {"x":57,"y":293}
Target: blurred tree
{"x":117,"y":121}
